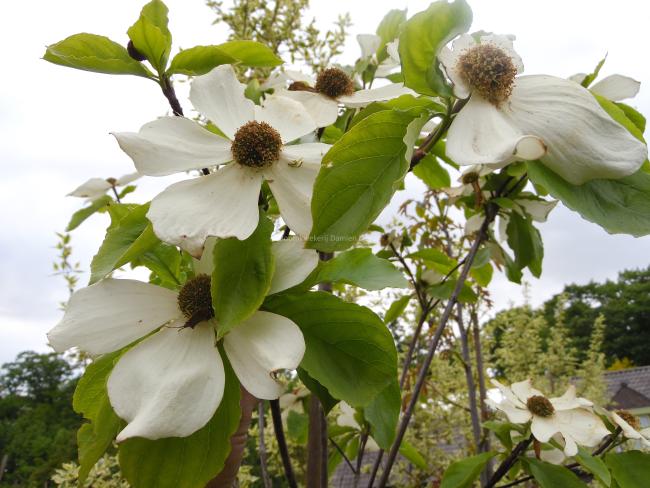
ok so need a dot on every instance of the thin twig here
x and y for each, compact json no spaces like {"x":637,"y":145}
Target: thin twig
{"x":508,"y":462}
{"x":276,"y":415}
{"x":262,"y":449}
{"x":347,"y":460}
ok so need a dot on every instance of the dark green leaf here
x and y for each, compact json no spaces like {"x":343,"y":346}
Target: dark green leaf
{"x":91,"y":400}
{"x":327,"y":401}
{"x":422,"y":37}
{"x":150,"y":34}
{"x":414,"y":106}
{"x":388,"y":28}
{"x":594,"y":465}
{"x":81,"y":215}
{"x":410,"y":452}
{"x":349,"y":349}
{"x":463,"y":473}
{"x":185,"y":462}
{"x":242,"y":276}
{"x":630,"y":469}
{"x":360,"y":173}
{"x":383,"y":413}
{"x":360,"y":267}
{"x":434,"y":258}
{"x":99,"y":54}
{"x":619,"y":206}
{"x":129,"y":239}
{"x":199,"y":60}
{"x":482,"y":275}
{"x":430,"y":171}
{"x":397,"y":308}
{"x":553,"y":476}
{"x":526,"y":243}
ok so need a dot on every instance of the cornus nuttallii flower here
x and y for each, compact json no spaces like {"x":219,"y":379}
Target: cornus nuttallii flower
{"x":333,"y":87}
{"x":568,"y":415}
{"x":171,"y":382}
{"x":96,"y":188}
{"x":255,"y":148}
{"x":630,"y":426}
{"x":539,"y":117}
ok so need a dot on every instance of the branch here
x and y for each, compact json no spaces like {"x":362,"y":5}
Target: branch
{"x":508,"y":462}
{"x":262,"y":449}
{"x":347,"y":460}
{"x":276,"y":415}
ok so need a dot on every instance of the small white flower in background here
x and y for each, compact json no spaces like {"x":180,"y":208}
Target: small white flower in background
{"x":333,"y":87}
{"x":369,"y":44}
{"x":509,"y":118}
{"x":292,"y":402}
{"x":171,"y":383}
{"x":96,"y":188}
{"x":613,"y":87}
{"x":568,"y":415}
{"x":346,"y":419}
{"x":630,"y":426}
{"x":255,"y":148}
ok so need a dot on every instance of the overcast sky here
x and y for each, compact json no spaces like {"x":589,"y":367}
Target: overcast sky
{"x":54,"y":125}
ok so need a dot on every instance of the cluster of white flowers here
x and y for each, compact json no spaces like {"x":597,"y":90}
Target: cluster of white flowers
{"x":171,"y":381}
{"x":568,"y":420}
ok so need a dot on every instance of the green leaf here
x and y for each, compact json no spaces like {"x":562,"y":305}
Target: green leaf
{"x":594,"y":465}
{"x":242,"y":276}
{"x":150,"y":34}
{"x":185,"y":462}
{"x":349,"y":349}
{"x":410,"y":452}
{"x":199,"y":60}
{"x":90,"y":52}
{"x":434,"y":258}
{"x":297,"y":426}
{"x":129,"y":239}
{"x":423,"y":35}
{"x":463,"y":473}
{"x":91,"y":400}
{"x":633,"y":116}
{"x":432,"y":173}
{"x":630,"y":469}
{"x":619,"y":115}
{"x":388,"y":29}
{"x":553,"y":476}
{"x":525,"y":241}
{"x":446,"y":289}
{"x":165,"y":263}
{"x":327,"y":401}
{"x":619,"y":206}
{"x":360,"y":267}
{"x":251,"y":53}
{"x":81,"y":215}
{"x":383,"y":414}
{"x":592,"y":76}
{"x":414,"y":106}
{"x":482,"y":275}
{"x":396,"y":308}
{"x":359,"y":175}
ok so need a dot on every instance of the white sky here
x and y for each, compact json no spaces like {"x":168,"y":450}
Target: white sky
{"x":54,"y":125}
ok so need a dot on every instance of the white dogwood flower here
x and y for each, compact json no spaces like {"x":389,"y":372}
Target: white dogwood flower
{"x":255,"y":146}
{"x":630,"y":426}
{"x":96,"y":188}
{"x":613,"y":87}
{"x":568,"y":415}
{"x":171,"y":382}
{"x":539,"y":117}
{"x":333,"y":87}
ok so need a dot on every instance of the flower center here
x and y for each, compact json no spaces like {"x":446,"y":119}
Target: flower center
{"x":195,"y":300}
{"x":256,"y":145}
{"x":629,"y":418}
{"x":488,"y":70}
{"x":334,"y":82}
{"x":540,"y":406}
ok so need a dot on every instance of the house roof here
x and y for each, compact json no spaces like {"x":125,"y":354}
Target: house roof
{"x":629,"y":388}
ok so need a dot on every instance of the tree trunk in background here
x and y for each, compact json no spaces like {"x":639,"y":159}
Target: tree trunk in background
{"x":228,"y":476}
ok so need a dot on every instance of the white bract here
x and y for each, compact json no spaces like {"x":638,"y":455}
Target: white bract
{"x":369,"y":44}
{"x":630,"y":427}
{"x":539,"y":117}
{"x":96,"y":188}
{"x":613,"y":87}
{"x":171,"y":382}
{"x":568,"y":415}
{"x":346,"y":419}
{"x":254,"y":148}
{"x":333,"y":87}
